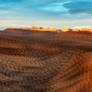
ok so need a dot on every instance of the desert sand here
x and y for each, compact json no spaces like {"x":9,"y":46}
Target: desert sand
{"x":33,"y":61}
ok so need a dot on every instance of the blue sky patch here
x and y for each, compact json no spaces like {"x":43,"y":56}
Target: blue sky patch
{"x":45,"y":12}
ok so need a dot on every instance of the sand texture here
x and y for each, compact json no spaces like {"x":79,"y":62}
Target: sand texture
{"x":45,"y":61}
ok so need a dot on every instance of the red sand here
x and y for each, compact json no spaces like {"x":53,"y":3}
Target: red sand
{"x":45,"y":61}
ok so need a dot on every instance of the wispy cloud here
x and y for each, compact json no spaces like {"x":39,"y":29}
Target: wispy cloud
{"x":80,"y":6}
{"x":53,"y":8}
{"x":45,"y":12}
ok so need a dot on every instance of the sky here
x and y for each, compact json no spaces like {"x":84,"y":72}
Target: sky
{"x":45,"y":13}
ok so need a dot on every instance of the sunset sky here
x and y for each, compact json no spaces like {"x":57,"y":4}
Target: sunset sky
{"x":54,"y":13}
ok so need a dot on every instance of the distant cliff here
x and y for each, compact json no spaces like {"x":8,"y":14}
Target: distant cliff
{"x":49,"y":29}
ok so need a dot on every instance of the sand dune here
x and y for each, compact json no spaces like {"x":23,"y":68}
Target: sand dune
{"x":45,"y":61}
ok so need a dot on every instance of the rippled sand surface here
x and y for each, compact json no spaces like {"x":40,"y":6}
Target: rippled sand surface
{"x":45,"y":62}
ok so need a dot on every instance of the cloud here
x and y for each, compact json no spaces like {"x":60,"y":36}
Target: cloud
{"x":56,"y":7}
{"x":48,"y":23}
{"x":7,"y":5}
{"x":61,"y":6}
{"x":49,"y":6}
{"x":47,"y":12}
{"x":27,"y":4}
{"x":76,"y":7}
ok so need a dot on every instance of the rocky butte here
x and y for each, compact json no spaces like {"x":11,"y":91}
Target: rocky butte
{"x":48,"y":29}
